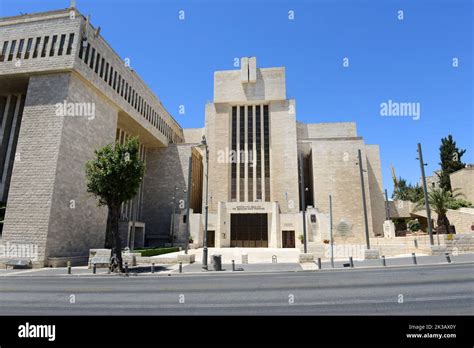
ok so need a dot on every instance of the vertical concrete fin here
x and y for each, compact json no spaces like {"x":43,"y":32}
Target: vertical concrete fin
{"x":252,"y":69}
{"x":244,"y":70}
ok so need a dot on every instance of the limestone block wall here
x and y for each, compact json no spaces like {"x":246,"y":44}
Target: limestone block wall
{"x":73,"y":231}
{"x":24,"y":27}
{"x":270,"y":85}
{"x":219,"y":140}
{"x":464,"y":180}
{"x":193,"y":135}
{"x":376,"y":195}
{"x":48,"y":204}
{"x":335,"y":172}
{"x":284,"y":156}
{"x":165,"y":169}
{"x":326,"y":130}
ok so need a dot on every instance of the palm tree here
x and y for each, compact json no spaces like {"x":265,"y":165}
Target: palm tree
{"x":440,"y":200}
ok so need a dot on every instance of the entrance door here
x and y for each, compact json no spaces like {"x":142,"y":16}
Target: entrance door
{"x":211,"y":239}
{"x":288,"y":239}
{"x":249,"y":230}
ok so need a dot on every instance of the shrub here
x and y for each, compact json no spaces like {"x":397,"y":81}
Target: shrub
{"x":156,"y":251}
{"x":413,"y":225}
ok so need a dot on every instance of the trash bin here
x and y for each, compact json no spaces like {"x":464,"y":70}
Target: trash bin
{"x":245,"y":259}
{"x":217,"y":262}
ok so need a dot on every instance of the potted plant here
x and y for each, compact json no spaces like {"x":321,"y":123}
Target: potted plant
{"x":301,"y":237}
{"x":191,"y":241}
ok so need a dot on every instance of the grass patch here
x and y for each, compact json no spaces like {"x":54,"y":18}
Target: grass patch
{"x":155,"y":251}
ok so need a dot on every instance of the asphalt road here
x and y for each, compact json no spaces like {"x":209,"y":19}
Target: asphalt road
{"x":414,"y":290}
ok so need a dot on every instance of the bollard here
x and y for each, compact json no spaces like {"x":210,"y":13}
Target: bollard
{"x":69,"y":267}
{"x":384,"y":263}
{"x":448,"y":259}
{"x":180,"y":267}
{"x":414,"y":258}
{"x":152,"y":268}
{"x":319,"y":263}
{"x":416,"y":243}
{"x":126,"y":268}
{"x":233,"y":265}
{"x":351,"y":262}
{"x":94,"y":268}
{"x":274,"y":259}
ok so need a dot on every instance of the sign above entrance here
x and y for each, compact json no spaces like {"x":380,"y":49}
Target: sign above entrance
{"x":247,"y":208}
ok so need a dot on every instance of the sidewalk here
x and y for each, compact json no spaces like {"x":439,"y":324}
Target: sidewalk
{"x":196,"y":268}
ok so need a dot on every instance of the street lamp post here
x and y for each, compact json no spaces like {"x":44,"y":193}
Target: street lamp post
{"x":330,"y":231}
{"x":364,"y":204}
{"x":303,"y":203}
{"x":204,"y":251}
{"x":387,"y":208}
{"x":172,"y":215}
{"x":425,"y":193}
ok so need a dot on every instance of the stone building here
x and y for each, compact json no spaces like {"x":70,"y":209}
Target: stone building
{"x":65,"y":93}
{"x":255,"y":143}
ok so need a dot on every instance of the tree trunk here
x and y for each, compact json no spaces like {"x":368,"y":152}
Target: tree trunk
{"x":116,"y":262}
{"x":443,"y":224}
{"x":109,"y":238}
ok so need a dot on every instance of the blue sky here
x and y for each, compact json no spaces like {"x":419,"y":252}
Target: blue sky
{"x":405,"y":61}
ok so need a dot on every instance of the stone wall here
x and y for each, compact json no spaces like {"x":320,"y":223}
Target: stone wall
{"x":48,"y":204}
{"x":165,"y":169}
{"x":464,"y":180}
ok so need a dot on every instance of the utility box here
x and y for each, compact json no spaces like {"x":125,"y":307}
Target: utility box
{"x":245,"y":259}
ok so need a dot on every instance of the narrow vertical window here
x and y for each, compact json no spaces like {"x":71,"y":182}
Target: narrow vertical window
{"x":4,"y":51}
{"x":28,"y":48}
{"x":106,"y":71}
{"x":91,"y":61}
{"x":233,"y":166}
{"x":102,"y":63}
{"x":20,"y":49}
{"x":37,"y":47}
{"x":62,"y":40}
{"x":266,"y":148}
{"x":69,"y":44}
{"x":12,"y":50}
{"x":249,"y":154}
{"x":241,"y":153}
{"x":97,"y":63}
{"x":258,"y":145}
{"x":53,"y":45}
{"x":86,"y":55}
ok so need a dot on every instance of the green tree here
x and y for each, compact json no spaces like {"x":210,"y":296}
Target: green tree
{"x":114,"y":177}
{"x":450,"y":157}
{"x":440,"y":200}
{"x":407,"y":192}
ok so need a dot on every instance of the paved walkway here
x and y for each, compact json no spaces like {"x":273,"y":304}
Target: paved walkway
{"x":196,"y":268}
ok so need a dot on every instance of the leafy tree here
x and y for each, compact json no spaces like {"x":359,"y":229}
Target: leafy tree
{"x":450,"y":157}
{"x":413,"y":225}
{"x":407,"y":192}
{"x":114,"y":177}
{"x":440,"y":200}
{"x":459,"y":203}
